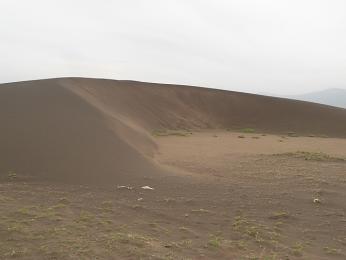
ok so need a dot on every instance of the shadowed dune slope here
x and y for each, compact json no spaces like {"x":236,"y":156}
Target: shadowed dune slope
{"x":50,"y":132}
{"x":77,"y":129}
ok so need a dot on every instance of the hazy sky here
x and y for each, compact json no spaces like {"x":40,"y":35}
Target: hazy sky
{"x":275,"y":46}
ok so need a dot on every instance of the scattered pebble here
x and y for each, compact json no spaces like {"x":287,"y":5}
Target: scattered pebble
{"x":317,"y":201}
{"x":139,"y":199}
{"x":121,"y":187}
{"x":147,"y":188}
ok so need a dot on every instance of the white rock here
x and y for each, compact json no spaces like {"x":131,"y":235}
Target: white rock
{"x":121,"y":187}
{"x":317,"y":201}
{"x":147,"y":188}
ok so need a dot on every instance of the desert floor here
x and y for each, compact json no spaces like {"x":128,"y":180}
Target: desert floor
{"x":233,"y":196}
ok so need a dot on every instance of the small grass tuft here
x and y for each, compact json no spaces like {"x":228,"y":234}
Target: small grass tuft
{"x":215,"y":242}
{"x":292,"y":134}
{"x":64,"y":201}
{"x":127,"y":238}
{"x":248,"y":130}
{"x":280,"y":215}
{"x":331,"y":251}
{"x":297,"y":249}
{"x":85,"y":217}
{"x":12,"y":175}
{"x":107,"y":204}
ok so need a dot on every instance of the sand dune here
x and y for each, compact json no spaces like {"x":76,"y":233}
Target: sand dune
{"x":95,"y":130}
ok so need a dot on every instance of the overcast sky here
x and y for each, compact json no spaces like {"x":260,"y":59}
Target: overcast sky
{"x":270,"y":46}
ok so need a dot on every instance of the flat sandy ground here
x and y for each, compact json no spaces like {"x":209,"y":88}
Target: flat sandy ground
{"x":234,"y":196}
{"x":218,"y":151}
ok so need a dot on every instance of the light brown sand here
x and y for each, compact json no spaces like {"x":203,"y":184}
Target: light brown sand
{"x":217,"y":148}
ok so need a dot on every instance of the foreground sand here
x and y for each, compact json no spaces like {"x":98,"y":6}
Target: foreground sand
{"x":233,"y":196}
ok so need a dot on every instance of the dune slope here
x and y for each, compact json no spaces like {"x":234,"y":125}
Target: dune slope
{"x":49,"y":131}
{"x":76,"y":129}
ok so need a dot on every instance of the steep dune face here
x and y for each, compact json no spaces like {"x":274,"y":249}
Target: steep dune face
{"x":100,"y":130}
{"x":50,"y":132}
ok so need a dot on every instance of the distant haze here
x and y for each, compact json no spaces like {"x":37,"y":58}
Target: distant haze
{"x":333,"y":97}
{"x":274,"y":46}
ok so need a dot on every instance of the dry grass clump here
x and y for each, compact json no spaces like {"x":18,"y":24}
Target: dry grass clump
{"x":247,"y":130}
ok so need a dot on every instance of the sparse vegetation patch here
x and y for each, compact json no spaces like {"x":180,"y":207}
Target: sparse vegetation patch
{"x":332,"y":251}
{"x":166,"y":132}
{"x":248,"y":130}
{"x":292,"y":134}
{"x":12,"y":175}
{"x":312,"y":156}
